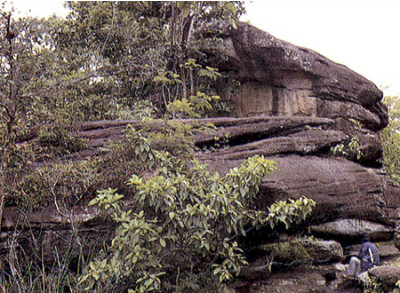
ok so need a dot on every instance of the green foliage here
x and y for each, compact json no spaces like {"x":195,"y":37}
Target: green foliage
{"x":203,"y":103}
{"x":174,"y":135}
{"x":183,"y":108}
{"x":351,"y":149}
{"x":140,"y":49}
{"x":356,"y":123}
{"x":140,"y":147}
{"x":57,"y":141}
{"x":140,"y":110}
{"x":67,"y":182}
{"x":374,"y":286}
{"x":289,"y":212}
{"x":182,"y":222}
{"x":196,"y":103}
{"x":103,"y":60}
{"x":219,"y":143}
{"x":19,"y":75}
{"x":70,"y":181}
{"x":288,"y":251}
{"x":390,"y":137}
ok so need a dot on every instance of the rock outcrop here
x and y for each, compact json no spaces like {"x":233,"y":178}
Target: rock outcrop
{"x":388,"y":276}
{"x":352,"y":229}
{"x":271,"y":78}
{"x":291,"y":105}
{"x":279,"y":79}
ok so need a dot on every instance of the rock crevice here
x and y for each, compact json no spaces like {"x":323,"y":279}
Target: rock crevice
{"x":291,"y":105}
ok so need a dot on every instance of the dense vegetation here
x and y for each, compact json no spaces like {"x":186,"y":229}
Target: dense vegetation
{"x":177,"y":224}
{"x":390,"y":137}
{"x":112,"y":55}
{"x":107,"y":60}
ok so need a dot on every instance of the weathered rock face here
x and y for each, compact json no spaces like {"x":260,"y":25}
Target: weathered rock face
{"x":305,"y":104}
{"x":352,"y":229}
{"x":278,"y":78}
{"x":291,"y":105}
{"x":48,"y":232}
{"x":271,"y":78}
{"x":305,"y":249}
{"x":281,"y":82}
{"x":389,"y":275}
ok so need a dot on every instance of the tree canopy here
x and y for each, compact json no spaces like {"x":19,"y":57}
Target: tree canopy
{"x":177,"y":225}
{"x":390,"y":138}
{"x":102,"y":60}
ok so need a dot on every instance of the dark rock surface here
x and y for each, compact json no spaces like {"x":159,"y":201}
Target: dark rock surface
{"x":291,"y":105}
{"x":278,"y":78}
{"x":302,"y":280}
{"x":353,"y":229}
{"x":341,"y":188}
{"x":387,"y":274}
{"x":305,"y":249}
{"x":49,"y":230}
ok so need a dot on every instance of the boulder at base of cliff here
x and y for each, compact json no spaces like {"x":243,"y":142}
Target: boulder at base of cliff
{"x":388,"y":276}
{"x":300,"y":280}
{"x":352,"y":229}
{"x":305,"y":250}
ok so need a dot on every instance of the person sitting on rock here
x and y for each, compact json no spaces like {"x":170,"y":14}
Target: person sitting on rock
{"x":367,"y":258}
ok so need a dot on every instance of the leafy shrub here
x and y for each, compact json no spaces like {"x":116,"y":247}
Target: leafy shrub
{"x":390,"y":137}
{"x":351,"y":149}
{"x":57,"y":141}
{"x":140,"y":110}
{"x":66,"y":181}
{"x":182,"y":224}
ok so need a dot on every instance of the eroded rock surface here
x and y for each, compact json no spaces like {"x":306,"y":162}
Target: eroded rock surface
{"x":389,"y":275}
{"x":353,"y":229}
{"x":48,"y":232}
{"x":291,"y":105}
{"x":305,"y":249}
{"x":278,"y":78}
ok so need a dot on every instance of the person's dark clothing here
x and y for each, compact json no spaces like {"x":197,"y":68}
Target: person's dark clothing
{"x":369,"y":255}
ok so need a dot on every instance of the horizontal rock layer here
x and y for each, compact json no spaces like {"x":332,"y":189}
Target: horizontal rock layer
{"x":301,"y":146}
{"x":279,"y":79}
{"x":289,"y":104}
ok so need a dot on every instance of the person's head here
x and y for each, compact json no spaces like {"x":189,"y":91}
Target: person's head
{"x":365,"y":237}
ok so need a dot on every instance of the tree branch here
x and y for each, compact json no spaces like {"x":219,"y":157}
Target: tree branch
{"x":6,"y":109}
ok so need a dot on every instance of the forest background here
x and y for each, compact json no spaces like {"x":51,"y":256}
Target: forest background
{"x":130,"y":61}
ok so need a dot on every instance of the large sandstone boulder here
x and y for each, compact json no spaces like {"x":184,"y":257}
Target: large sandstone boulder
{"x":277,"y":78}
{"x":388,"y":276}
{"x":271,"y":78}
{"x":289,"y":104}
{"x":353,"y":229}
{"x":310,"y":250}
{"x":341,"y":188}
